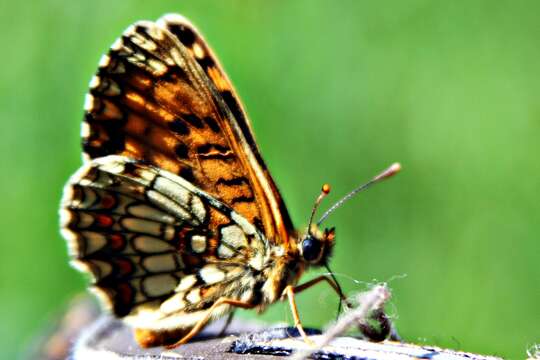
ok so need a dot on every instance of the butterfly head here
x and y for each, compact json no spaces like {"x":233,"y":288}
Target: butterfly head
{"x":316,"y":246}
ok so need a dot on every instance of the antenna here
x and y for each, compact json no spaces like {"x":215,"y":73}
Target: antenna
{"x":390,"y":171}
{"x":324,"y":191}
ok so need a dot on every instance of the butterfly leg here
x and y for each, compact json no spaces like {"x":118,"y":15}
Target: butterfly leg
{"x":228,"y":321}
{"x":317,"y":280}
{"x":202,"y":322}
{"x":290,"y":291}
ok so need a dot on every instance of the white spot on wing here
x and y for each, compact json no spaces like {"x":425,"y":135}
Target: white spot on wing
{"x":173,"y":304}
{"x":144,"y":43}
{"x":155,"y":32}
{"x":224,"y":252}
{"x":104,"y":61}
{"x":146,"y":174}
{"x":198,"y":51}
{"x":194,"y":296}
{"x":198,"y":243}
{"x":89,"y":102}
{"x":158,"y":67}
{"x":94,"y":82}
{"x":177,"y":57}
{"x":234,"y":236}
{"x":72,"y":242}
{"x":118,"y":44}
{"x":187,"y":282}
{"x":211,"y":274}
{"x":65,"y":217}
{"x":172,"y":190}
{"x":85,"y":130}
{"x":197,"y":207}
{"x":113,"y":165}
{"x":244,"y":224}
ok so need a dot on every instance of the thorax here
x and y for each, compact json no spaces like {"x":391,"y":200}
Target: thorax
{"x":281,"y":269}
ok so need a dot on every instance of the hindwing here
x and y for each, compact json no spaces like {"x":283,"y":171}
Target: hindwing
{"x":154,"y":243}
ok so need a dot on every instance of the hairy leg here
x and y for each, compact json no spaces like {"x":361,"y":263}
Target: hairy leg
{"x":290,"y":291}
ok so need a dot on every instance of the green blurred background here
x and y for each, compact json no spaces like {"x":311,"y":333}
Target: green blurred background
{"x":336,"y":92}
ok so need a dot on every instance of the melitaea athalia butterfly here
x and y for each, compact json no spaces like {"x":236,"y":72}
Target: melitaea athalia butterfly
{"x":174,"y":214}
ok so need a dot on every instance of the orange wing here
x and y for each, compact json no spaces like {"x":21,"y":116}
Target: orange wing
{"x":160,"y":96}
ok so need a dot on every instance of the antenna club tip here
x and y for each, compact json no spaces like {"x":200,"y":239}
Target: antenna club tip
{"x":326,"y":189}
{"x":394,"y":168}
{"x":391,"y":171}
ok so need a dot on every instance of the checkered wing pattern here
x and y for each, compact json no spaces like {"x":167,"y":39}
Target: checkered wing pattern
{"x":155,"y":246}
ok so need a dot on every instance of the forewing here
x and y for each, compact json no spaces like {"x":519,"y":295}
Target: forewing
{"x":147,"y":236}
{"x":160,"y":96}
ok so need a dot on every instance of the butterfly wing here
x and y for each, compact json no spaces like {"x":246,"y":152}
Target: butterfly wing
{"x":161,"y":96}
{"x":158,"y":249}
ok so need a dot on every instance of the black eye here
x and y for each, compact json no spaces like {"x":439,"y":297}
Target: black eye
{"x":311,"y":248}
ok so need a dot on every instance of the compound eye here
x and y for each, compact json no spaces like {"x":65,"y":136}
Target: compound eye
{"x":311,"y":248}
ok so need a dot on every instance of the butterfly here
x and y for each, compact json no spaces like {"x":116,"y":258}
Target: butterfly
{"x":174,"y":214}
